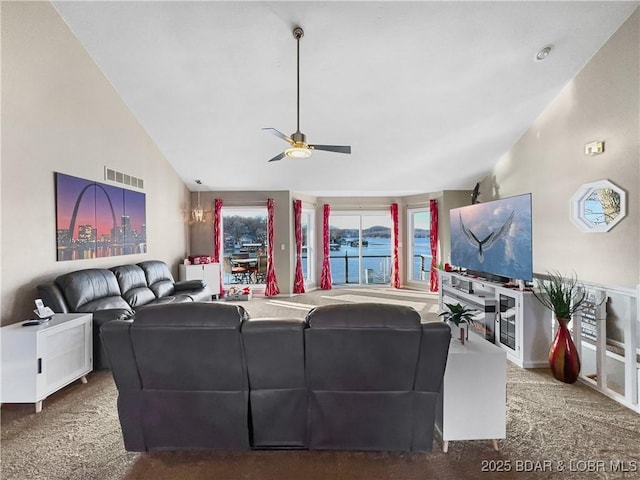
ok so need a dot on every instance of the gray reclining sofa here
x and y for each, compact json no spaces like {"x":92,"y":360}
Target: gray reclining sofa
{"x":116,"y":293}
{"x":205,"y":376}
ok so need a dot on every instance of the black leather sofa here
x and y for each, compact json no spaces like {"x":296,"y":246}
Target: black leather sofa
{"x":205,"y":376}
{"x":116,"y":293}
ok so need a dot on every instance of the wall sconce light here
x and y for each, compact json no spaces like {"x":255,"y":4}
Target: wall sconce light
{"x":197,"y":214}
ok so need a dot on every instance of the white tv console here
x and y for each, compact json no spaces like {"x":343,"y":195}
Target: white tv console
{"x":513,"y":319}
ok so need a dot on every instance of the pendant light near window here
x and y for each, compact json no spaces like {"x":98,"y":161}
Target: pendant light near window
{"x":197,"y":214}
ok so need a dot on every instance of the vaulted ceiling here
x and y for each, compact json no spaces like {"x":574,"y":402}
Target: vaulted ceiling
{"x":428,"y":94}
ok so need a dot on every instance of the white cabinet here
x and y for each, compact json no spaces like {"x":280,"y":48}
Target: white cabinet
{"x":523,"y":328}
{"x":39,"y":360}
{"x":512,"y":319}
{"x":473,"y":403}
{"x":209,"y":272}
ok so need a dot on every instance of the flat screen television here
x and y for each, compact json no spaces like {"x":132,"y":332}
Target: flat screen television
{"x":494,"y":238}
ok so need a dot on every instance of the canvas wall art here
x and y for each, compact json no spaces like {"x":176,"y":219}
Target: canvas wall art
{"x":97,"y":220}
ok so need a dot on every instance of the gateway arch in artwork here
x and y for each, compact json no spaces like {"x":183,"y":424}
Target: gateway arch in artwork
{"x":72,"y":223}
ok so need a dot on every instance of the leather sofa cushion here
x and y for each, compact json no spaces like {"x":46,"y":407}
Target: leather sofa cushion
{"x":182,"y":298}
{"x":159,"y":278}
{"x":129,"y":276}
{"x":139,"y":296}
{"x":274,"y":349}
{"x":195,"y":314}
{"x":190,"y":346}
{"x":362,"y":347}
{"x":91,"y":289}
{"x":101,"y":317}
{"x":162,"y":288}
{"x":133,"y":285}
{"x":190,"y":285}
{"x":363,"y":315}
{"x":105,"y":303}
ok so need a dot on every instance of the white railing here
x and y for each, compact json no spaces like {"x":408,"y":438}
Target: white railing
{"x":608,"y":343}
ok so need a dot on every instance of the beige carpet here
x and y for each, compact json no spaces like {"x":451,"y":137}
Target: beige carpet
{"x":550,"y":425}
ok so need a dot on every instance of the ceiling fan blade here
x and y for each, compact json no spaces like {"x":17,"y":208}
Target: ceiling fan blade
{"x":280,"y":156}
{"x":278,"y":133}
{"x":332,"y":148}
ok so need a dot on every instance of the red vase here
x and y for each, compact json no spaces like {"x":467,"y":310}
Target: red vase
{"x":564,"y":360}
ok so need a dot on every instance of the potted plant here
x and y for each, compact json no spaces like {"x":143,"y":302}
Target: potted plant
{"x":564,"y":297}
{"x":460,"y":316}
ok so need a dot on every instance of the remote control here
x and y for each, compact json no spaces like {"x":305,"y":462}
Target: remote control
{"x":31,"y":323}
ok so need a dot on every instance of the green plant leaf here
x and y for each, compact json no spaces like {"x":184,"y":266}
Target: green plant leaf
{"x":458,"y":314}
{"x":563,"y":296}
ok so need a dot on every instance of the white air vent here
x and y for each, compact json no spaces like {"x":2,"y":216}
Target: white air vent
{"x":119,"y":177}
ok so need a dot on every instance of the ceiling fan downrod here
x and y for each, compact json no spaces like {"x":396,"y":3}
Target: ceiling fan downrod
{"x":298,"y":33}
{"x":298,"y":140}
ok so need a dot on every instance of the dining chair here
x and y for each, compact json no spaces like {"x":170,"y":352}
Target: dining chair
{"x":261,"y":269}
{"x":238,"y":273}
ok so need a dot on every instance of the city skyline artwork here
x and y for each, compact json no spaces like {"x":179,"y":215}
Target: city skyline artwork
{"x":95,"y":220}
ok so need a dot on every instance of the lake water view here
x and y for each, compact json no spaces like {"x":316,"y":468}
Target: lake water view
{"x":376,"y":261}
{"x":345,"y":265}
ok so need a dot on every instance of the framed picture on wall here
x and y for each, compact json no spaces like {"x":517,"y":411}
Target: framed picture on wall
{"x":97,"y":220}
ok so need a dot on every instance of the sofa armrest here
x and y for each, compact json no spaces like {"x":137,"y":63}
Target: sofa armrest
{"x":101,"y":317}
{"x":115,"y":337}
{"x":434,"y":349}
{"x":189,"y":285}
{"x":52,"y":297}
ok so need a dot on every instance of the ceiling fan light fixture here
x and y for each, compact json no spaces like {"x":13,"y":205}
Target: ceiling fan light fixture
{"x":298,"y":152}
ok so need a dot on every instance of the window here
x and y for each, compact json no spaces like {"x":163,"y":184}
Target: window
{"x":419,"y":248}
{"x":308,"y":245}
{"x":244,"y":247}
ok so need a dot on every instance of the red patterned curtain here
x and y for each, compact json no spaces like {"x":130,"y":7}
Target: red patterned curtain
{"x":217,"y":236}
{"x":433,"y":238}
{"x":272,"y":283}
{"x":395,"y":261}
{"x":325,"y":277}
{"x":298,"y":282}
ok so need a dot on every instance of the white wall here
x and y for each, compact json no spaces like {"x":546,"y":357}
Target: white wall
{"x":601,"y":103}
{"x":60,"y":114}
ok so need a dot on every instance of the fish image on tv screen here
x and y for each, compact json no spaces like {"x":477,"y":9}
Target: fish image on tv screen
{"x":494,"y":237}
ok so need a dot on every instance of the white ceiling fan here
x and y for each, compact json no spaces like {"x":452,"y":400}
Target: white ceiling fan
{"x":298,"y":140}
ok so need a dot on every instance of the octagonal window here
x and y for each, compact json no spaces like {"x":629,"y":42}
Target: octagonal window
{"x":598,"y":206}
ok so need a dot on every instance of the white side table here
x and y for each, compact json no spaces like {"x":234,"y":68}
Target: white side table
{"x":473,"y":403}
{"x":39,"y":360}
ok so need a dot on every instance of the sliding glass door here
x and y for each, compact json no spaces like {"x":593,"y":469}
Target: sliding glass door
{"x":360,"y":248}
